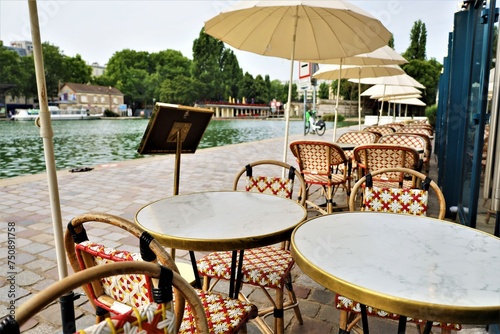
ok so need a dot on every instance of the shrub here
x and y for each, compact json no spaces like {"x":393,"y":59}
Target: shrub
{"x":331,"y":118}
{"x":109,"y":113}
{"x":431,"y":114}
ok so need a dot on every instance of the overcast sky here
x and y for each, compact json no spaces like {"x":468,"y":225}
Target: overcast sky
{"x":96,"y":29}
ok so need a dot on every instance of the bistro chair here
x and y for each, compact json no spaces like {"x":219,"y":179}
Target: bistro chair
{"x":266,"y":267}
{"x":325,"y":165}
{"x":156,"y":317}
{"x":413,"y":201}
{"x":383,"y":130}
{"x":420,"y":130}
{"x":224,"y":315}
{"x":372,"y":157}
{"x":396,"y":125}
{"x":414,"y":140}
{"x":358,"y":138}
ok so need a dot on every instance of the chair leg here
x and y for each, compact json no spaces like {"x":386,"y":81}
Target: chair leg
{"x":100,"y":314}
{"x":206,"y":283}
{"x":293,"y":299}
{"x":347,"y":321}
{"x":279,"y":323}
{"x":343,"y":320}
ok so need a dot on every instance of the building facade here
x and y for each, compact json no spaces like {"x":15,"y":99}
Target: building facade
{"x":95,"y":99}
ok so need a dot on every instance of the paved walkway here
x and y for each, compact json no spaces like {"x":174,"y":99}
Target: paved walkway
{"x":121,"y":189}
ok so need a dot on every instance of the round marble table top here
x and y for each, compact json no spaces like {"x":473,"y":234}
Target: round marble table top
{"x":346,"y":146}
{"x":414,"y":266}
{"x":220,"y":220}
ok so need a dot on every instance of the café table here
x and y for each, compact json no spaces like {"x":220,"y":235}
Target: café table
{"x":346,"y":146}
{"x":221,"y":221}
{"x":410,"y":265}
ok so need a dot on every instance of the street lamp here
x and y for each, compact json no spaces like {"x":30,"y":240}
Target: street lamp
{"x":110,"y":108}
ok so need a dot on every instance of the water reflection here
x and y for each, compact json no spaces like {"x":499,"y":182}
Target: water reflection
{"x":92,"y":142}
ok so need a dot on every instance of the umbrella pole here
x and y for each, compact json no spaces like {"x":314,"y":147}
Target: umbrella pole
{"x":337,"y":104}
{"x":289,"y":101}
{"x":44,"y":122}
{"x":359,"y":100}
{"x":382,"y":105}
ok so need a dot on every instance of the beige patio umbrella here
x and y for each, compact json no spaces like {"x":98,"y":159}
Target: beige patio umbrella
{"x":406,"y":100}
{"x":397,"y":80}
{"x":382,"y":91}
{"x":46,"y":132}
{"x":381,"y":56}
{"x":299,"y":30}
{"x":334,"y":72}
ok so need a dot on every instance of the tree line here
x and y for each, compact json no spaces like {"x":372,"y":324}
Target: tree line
{"x":213,"y":74}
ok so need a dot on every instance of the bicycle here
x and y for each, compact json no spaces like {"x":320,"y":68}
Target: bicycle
{"x":314,"y":125}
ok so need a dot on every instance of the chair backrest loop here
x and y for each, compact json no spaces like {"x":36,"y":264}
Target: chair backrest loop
{"x":147,"y":253}
{"x":163,"y":292}
{"x":291,"y":173}
{"x":369,"y":180}
{"x":426,"y":183}
{"x":248,"y":169}
{"x":78,"y":237}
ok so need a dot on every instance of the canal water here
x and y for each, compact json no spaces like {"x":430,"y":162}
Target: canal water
{"x":86,"y":143}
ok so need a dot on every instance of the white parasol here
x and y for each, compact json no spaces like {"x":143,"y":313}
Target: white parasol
{"x":332,"y":72}
{"x":381,"y":56}
{"x":299,"y":30}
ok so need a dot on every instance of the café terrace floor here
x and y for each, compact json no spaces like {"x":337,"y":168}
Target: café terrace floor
{"x":122,"y":188}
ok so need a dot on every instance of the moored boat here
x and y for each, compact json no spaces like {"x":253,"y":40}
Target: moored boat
{"x":56,"y":114}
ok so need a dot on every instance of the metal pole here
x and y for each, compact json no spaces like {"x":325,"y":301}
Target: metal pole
{"x":305,"y":110}
{"x":46,"y":132}
{"x":289,"y":102}
{"x":177,"y":171}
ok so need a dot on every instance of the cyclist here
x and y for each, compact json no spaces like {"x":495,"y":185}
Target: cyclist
{"x":311,"y":119}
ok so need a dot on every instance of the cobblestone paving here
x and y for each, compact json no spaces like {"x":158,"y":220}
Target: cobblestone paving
{"x":121,"y":189}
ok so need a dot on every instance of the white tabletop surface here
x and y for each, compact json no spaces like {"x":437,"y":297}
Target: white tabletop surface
{"x":220,"y":220}
{"x":415,"y":266}
{"x":346,"y":146}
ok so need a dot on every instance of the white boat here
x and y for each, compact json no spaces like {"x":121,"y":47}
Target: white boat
{"x":55,"y":114}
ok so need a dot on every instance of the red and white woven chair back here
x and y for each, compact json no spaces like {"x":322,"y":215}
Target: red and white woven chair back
{"x":127,"y":290}
{"x":270,"y":185}
{"x":410,"y":129}
{"x":357,"y":137}
{"x":404,"y":139}
{"x":378,"y":156}
{"x":151,"y":318}
{"x":396,"y":200}
{"x":384,"y":130}
{"x":316,"y":157}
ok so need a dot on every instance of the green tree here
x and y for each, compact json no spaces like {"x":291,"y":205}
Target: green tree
{"x":277,"y":91}
{"x":260,"y":90}
{"x":10,"y":69}
{"x":247,"y":89}
{"x":323,"y":90}
{"x":129,"y":71}
{"x":427,"y":73}
{"x":231,"y":74}
{"x":207,"y":66}
{"x":170,"y":64}
{"x":28,"y":87}
{"x":391,"y":41}
{"x":55,"y":70}
{"x":418,"y":41}
{"x":182,"y":90}
{"x":77,"y":70}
